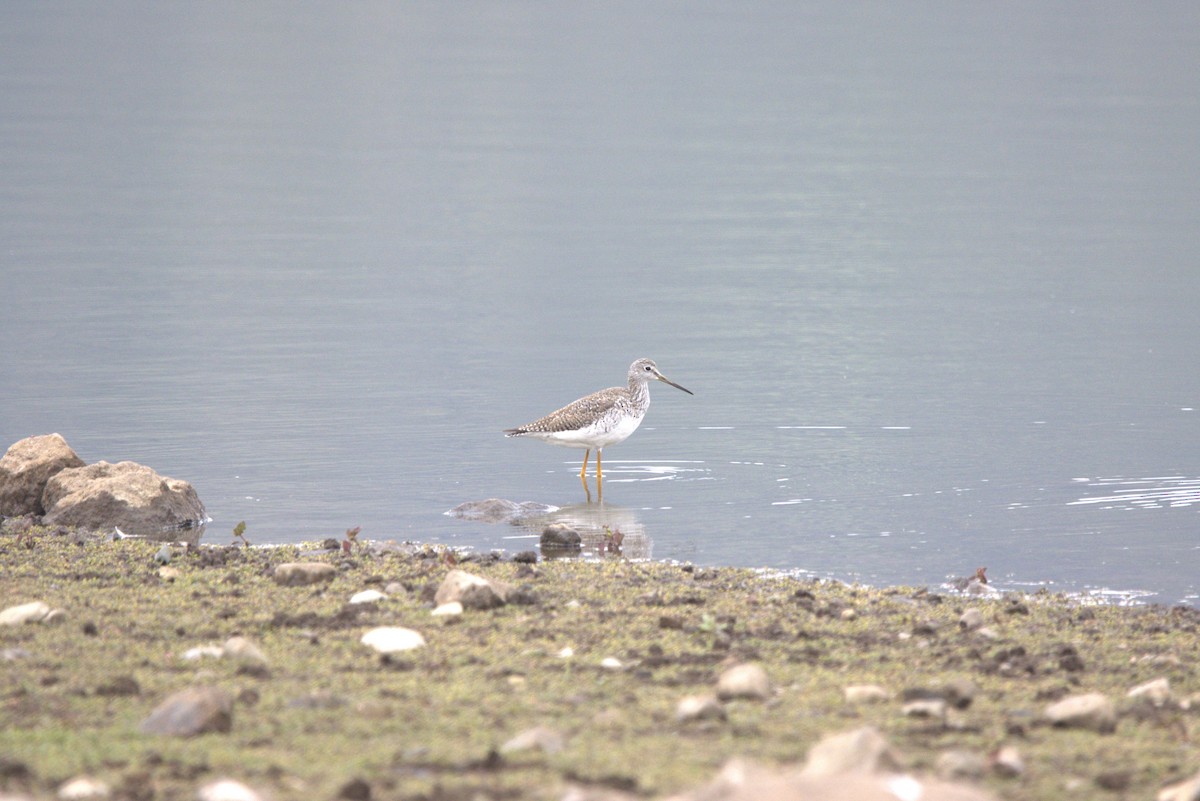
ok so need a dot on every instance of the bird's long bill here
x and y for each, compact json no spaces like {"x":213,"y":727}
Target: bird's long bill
{"x":666,"y":380}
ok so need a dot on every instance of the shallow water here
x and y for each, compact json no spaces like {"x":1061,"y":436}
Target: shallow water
{"x":931,"y":274}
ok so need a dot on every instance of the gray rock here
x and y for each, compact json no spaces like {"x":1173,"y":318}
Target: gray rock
{"x":744,"y":681}
{"x":196,"y":710}
{"x":298,"y":574}
{"x":1091,"y":711}
{"x":25,"y":469}
{"x":127,"y":495}
{"x":473,"y":592}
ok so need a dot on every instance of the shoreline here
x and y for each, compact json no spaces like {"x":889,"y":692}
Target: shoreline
{"x":596,"y":654}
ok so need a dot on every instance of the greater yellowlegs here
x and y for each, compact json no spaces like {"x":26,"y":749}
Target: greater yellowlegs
{"x":598,"y":420}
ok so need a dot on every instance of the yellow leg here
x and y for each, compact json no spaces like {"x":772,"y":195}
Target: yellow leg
{"x":599,"y":478}
{"x":583,"y":470}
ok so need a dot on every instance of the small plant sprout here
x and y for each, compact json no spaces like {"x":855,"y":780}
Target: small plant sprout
{"x":239,"y":533}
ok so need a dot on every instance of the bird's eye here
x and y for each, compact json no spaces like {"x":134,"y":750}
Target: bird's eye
{"x":646,"y":368}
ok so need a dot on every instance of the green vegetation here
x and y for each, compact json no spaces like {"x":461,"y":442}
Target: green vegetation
{"x":430,"y":723}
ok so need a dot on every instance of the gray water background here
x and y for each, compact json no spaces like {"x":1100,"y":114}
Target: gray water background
{"x":930,"y":269}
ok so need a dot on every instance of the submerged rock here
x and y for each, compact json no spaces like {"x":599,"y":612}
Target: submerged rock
{"x":196,"y":710}
{"x":26,"y":468}
{"x":498,"y":510}
{"x":560,"y":537}
{"x":128,"y":495}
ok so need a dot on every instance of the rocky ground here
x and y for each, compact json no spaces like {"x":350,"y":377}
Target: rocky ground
{"x":227,"y":675}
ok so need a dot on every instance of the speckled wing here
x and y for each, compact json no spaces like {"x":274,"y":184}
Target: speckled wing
{"x":574,"y":416}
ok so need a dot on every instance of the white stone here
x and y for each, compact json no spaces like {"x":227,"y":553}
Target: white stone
{"x":391,"y":639}
{"x":1157,"y":692}
{"x":859,"y":751}
{"x":744,"y":681}
{"x":83,"y":787}
{"x":367,"y":597}
{"x":699,"y":707}
{"x":1091,"y":711}
{"x":566,"y":653}
{"x":865,"y":694}
{"x":245,"y":653}
{"x":448,"y":610}
{"x":226,"y":790}
{"x":1007,"y":762}
{"x":611,"y":663}
{"x":33,"y":612}
{"x":1187,"y":790}
{"x":203,"y":651}
{"x":546,"y":739}
{"x":925,"y":708}
{"x":971,"y":619}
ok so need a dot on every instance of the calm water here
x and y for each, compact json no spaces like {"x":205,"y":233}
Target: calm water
{"x":931,"y":272}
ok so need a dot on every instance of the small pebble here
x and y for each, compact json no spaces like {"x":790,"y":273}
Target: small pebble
{"x":391,"y":639}
{"x":1007,"y":762}
{"x":865,"y":694}
{"x":971,"y":620}
{"x":539,"y":737}
{"x":1157,"y":692}
{"x":367,"y":597}
{"x":448,"y":610}
{"x":611,"y":663}
{"x":744,"y":681}
{"x":226,"y":790}
{"x":699,"y":707}
{"x":960,"y":764}
{"x":81,"y":788}
{"x":925,"y":708}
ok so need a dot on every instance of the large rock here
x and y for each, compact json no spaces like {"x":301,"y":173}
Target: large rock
{"x":26,"y":468}
{"x":128,"y":495}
